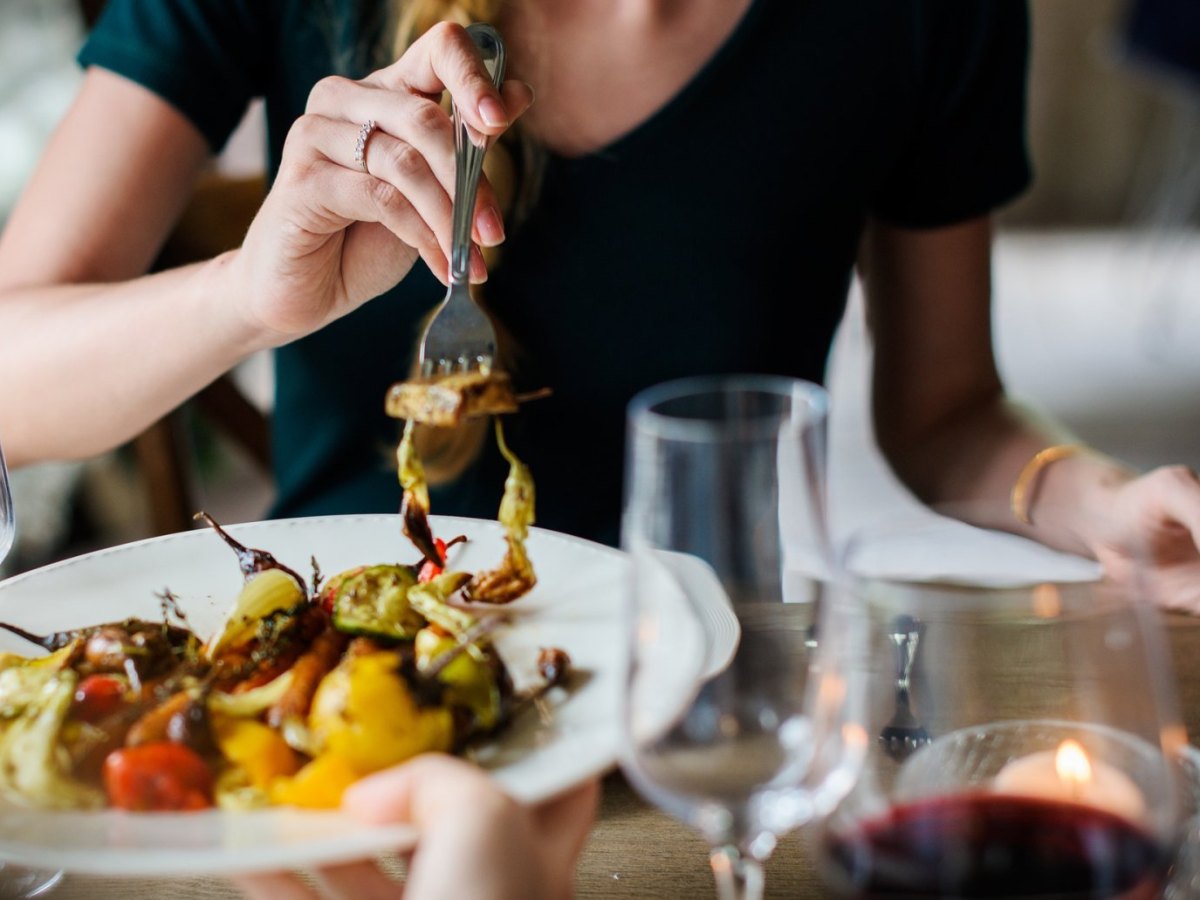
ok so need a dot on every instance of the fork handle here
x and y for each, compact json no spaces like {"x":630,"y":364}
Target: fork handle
{"x":468,"y":156}
{"x":905,"y":635}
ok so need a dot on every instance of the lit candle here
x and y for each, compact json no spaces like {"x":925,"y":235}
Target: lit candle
{"x":1066,"y":774}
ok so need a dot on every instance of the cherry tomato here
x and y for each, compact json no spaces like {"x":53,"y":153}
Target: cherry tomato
{"x":97,"y":696}
{"x":158,"y":777}
{"x":431,"y":570}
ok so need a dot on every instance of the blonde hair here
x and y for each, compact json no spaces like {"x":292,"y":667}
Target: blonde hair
{"x":447,"y":452}
{"x":414,"y":17}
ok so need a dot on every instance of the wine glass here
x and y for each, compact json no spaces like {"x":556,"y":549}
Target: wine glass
{"x":735,"y":720}
{"x":17,"y":882}
{"x":1043,"y":724}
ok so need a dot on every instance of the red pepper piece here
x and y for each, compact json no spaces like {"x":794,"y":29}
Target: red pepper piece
{"x":431,"y":570}
{"x":158,"y":777}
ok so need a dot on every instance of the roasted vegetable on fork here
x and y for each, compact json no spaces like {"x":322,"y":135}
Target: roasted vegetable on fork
{"x":515,"y":575}
{"x":414,"y":502}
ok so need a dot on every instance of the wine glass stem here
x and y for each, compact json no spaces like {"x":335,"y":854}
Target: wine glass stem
{"x":738,"y":876}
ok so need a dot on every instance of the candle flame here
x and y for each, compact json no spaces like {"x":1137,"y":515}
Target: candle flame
{"x":1071,"y":763}
{"x":1047,"y":602}
{"x":855,"y":736}
{"x":831,"y":693}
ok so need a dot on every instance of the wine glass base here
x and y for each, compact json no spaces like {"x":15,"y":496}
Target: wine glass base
{"x":19,"y":883}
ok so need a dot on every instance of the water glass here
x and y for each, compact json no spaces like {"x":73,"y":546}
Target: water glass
{"x":740,"y":715}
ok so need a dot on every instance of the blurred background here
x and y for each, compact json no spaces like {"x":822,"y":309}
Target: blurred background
{"x":1097,"y":272}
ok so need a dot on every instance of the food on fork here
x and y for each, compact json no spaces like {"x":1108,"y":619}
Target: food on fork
{"x":448,"y":400}
{"x":514,"y":576}
{"x":445,"y":401}
{"x":301,"y":690}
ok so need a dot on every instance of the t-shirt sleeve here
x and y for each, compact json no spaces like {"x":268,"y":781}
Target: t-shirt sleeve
{"x":206,"y":58}
{"x":966,"y":151}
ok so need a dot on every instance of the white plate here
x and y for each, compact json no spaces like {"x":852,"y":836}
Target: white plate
{"x":577,"y":605}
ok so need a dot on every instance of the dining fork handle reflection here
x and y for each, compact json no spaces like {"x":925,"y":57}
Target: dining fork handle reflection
{"x":905,"y":636}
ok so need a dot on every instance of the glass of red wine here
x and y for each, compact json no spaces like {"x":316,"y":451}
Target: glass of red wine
{"x":1025,"y":724}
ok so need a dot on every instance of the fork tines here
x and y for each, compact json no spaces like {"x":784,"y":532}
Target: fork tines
{"x":431,"y":368}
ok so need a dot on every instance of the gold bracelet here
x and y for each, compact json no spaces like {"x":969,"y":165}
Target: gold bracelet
{"x":1022,"y":489}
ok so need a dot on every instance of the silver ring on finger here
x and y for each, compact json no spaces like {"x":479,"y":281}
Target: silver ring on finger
{"x":360,"y":146}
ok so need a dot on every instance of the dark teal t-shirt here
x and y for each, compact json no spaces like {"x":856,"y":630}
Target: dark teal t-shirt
{"x":717,"y":236}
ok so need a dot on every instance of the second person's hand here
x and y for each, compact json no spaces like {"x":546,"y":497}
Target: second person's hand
{"x":473,"y":841}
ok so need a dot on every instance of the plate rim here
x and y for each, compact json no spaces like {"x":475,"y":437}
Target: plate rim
{"x":291,"y":522}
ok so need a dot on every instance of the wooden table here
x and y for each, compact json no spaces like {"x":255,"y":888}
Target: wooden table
{"x":636,"y":851}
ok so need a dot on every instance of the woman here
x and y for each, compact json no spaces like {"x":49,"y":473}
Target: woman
{"x":690,"y":193}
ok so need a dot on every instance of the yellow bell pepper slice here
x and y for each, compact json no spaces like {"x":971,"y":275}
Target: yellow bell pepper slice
{"x":257,"y":749}
{"x":319,"y":785}
{"x":364,"y":713}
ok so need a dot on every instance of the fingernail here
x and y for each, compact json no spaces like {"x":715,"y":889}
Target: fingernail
{"x":493,"y":112}
{"x":491,"y":226}
{"x":479,"y":272}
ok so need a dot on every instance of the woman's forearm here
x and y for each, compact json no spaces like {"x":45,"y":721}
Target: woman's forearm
{"x":123,"y":355}
{"x":940,"y":413}
{"x":971,"y":463}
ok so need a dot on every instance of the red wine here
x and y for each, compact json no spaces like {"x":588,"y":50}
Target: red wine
{"x":990,"y":845}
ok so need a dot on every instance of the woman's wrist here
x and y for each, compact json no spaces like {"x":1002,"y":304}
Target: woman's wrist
{"x":1067,"y":494}
{"x":222,"y":287}
{"x":1028,"y":481}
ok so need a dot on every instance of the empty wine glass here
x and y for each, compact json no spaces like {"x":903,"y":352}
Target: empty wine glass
{"x":735,"y":722}
{"x":17,"y":882}
{"x":1050,"y":726}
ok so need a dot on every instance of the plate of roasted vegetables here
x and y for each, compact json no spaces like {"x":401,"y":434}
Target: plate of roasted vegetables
{"x":198,"y":702}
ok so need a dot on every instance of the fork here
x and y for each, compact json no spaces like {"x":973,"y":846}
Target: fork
{"x":460,"y":337}
{"x":904,"y":734}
